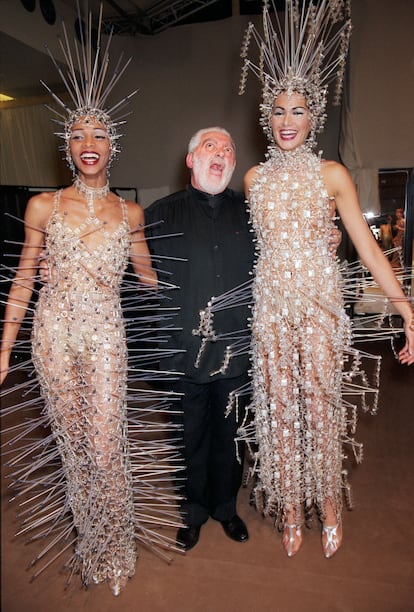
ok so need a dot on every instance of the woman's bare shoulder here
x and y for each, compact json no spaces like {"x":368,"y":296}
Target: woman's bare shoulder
{"x":135,"y":213}
{"x":250,"y":175}
{"x":330,"y":165}
{"x":252,"y":171}
{"x":336,"y":176}
{"x":39,"y":209}
{"x":41,"y":205}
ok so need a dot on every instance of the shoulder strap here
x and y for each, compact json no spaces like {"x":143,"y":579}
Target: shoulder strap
{"x":56,"y":200}
{"x":124,"y":208}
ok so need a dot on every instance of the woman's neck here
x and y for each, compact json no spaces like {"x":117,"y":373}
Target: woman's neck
{"x":95,"y":181}
{"x":89,"y":191}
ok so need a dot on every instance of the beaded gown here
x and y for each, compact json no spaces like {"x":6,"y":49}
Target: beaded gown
{"x":308,"y":378}
{"x":94,"y":479}
{"x":79,"y":352}
{"x":299,"y":335}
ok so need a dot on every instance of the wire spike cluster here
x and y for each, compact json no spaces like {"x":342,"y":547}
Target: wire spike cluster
{"x":360,"y":376}
{"x":303,"y":53}
{"x":37,"y":479}
{"x":89,"y":83}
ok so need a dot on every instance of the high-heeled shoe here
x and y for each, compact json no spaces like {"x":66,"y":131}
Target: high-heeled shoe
{"x":117,"y":582}
{"x":331,"y":539}
{"x":292,"y":539}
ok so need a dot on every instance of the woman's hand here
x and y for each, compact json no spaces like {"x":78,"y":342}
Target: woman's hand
{"x":43,"y":268}
{"x":334,"y":240}
{"x":406,"y":355}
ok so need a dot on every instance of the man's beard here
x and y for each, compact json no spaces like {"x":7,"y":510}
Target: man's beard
{"x":208,"y":183}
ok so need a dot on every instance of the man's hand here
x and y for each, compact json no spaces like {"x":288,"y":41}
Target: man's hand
{"x":334,"y":240}
{"x":43,"y":268}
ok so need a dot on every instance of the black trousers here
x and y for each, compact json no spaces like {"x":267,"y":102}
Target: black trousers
{"x":213,"y":472}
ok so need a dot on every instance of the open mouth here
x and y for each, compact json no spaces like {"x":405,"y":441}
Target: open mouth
{"x":217,"y":168}
{"x":287,"y":134}
{"x":89,"y":157}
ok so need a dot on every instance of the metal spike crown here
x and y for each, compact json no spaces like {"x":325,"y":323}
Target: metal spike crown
{"x":88,"y":83}
{"x":303,"y":55}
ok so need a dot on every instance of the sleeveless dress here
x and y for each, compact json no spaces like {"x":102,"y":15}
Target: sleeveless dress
{"x":300,"y":333}
{"x":79,"y":352}
{"x":96,"y":483}
{"x":308,"y":378}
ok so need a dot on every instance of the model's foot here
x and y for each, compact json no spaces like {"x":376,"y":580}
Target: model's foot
{"x":117,"y":582}
{"x":331,"y":530}
{"x":235,"y":529}
{"x":331,"y":539}
{"x":187,"y":537}
{"x":292,"y":539}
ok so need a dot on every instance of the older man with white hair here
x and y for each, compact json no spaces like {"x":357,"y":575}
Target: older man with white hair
{"x":217,"y":247}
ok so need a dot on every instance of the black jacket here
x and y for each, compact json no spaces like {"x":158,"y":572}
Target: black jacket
{"x":218,"y":248}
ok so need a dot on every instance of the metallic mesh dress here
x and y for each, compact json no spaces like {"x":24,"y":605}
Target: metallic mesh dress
{"x":308,"y":378}
{"x":95,"y":485}
{"x":300,"y":333}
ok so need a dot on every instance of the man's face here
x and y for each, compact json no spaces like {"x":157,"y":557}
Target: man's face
{"x":212,"y":163}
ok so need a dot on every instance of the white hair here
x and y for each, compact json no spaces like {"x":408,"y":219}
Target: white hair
{"x":196,"y":138}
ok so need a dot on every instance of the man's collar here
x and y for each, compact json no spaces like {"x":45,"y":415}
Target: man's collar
{"x":208,"y":197}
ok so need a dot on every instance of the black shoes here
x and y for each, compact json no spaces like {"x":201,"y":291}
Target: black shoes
{"x":187,"y":537}
{"x":235,"y":529}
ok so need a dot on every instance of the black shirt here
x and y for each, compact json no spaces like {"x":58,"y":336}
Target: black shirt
{"x":217,"y":244}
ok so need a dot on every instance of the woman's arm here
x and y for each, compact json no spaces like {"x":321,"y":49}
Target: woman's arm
{"x":341,"y":186}
{"x":140,"y":255}
{"x":249,"y":178}
{"x":37,"y":213}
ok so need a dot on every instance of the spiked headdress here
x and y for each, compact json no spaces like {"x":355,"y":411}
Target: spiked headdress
{"x":89,"y":83}
{"x":303,"y":55}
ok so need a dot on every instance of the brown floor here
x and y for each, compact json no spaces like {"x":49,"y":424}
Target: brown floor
{"x":373,"y":571}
